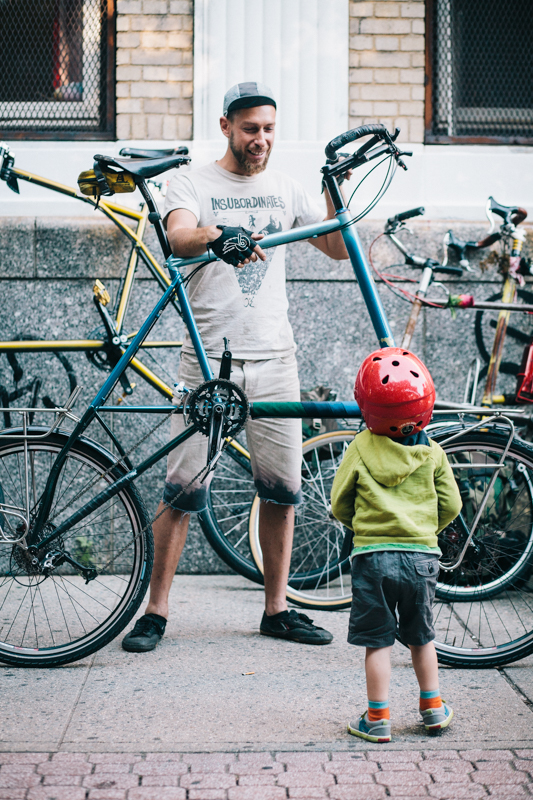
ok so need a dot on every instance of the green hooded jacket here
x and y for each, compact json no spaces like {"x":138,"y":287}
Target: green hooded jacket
{"x":394,"y":497}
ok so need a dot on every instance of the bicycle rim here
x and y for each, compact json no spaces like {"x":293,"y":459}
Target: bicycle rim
{"x":319,"y":574}
{"x":55,"y":619}
{"x":483,"y":611}
{"x":225,"y":520}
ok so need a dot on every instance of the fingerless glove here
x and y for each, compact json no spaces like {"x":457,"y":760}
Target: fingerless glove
{"x":234,"y":246}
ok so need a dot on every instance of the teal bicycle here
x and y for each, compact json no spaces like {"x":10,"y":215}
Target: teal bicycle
{"x":76,"y":546}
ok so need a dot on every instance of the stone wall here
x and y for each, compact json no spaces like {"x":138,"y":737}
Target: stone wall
{"x":387,"y":45}
{"x":154,"y":69}
{"x":48,"y":267}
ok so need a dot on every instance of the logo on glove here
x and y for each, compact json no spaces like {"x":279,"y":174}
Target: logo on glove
{"x":239,"y":242}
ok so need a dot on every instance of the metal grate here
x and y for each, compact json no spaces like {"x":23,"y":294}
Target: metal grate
{"x":480,"y":70}
{"x":56,"y":68}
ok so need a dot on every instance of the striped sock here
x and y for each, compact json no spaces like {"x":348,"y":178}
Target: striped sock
{"x":430,"y":700}
{"x":378,"y":711}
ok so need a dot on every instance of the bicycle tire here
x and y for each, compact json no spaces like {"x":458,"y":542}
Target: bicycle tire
{"x":56,"y":619}
{"x":225,"y":520}
{"x":319,"y":573}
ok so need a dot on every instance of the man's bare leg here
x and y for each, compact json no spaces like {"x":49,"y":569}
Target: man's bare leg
{"x":170,"y":532}
{"x":276,"y":528}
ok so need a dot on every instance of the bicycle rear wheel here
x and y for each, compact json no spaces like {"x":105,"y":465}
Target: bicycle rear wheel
{"x":319,"y":574}
{"x":48,"y":620}
{"x":484,"y":609}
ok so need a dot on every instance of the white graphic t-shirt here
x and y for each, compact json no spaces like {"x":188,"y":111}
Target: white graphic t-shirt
{"x":247,"y":305}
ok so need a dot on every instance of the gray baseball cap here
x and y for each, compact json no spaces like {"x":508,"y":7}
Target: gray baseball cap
{"x":247,"y":95}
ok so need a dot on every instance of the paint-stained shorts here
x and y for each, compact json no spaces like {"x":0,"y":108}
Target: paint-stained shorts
{"x":393,"y":588}
{"x":275,"y":445}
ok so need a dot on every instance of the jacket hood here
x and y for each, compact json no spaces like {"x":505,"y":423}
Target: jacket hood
{"x":389,"y":462}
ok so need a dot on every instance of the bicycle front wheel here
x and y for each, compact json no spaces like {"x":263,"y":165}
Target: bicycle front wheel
{"x":55,"y":618}
{"x":319,"y":574}
{"x":483,"y":611}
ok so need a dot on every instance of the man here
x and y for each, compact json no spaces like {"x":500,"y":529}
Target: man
{"x":247,"y":303}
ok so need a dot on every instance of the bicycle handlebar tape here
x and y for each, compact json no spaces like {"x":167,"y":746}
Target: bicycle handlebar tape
{"x":352,"y":136}
{"x":234,"y":245}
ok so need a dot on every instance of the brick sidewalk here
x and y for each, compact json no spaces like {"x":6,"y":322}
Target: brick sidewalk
{"x":442,"y":774}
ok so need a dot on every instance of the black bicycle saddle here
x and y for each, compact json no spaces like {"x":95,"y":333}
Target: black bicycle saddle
{"x":142,"y":167}
{"x":135,"y":152}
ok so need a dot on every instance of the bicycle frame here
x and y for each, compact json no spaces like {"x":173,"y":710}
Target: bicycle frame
{"x":176,"y":288}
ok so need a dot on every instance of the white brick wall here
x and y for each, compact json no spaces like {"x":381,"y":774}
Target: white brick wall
{"x":154,"y":69}
{"x":387,"y":45}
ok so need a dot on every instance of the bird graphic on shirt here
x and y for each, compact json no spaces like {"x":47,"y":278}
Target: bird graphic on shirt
{"x":251,"y":276}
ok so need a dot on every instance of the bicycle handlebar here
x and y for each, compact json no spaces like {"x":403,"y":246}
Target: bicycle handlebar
{"x":403,"y":215}
{"x":379,"y":131}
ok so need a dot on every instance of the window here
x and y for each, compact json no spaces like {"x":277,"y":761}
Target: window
{"x":479,"y":65}
{"x":57,"y":69}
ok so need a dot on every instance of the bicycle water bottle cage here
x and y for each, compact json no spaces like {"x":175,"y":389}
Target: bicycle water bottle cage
{"x":511,"y":215}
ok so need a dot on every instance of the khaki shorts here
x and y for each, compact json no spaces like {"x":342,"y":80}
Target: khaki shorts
{"x":275,"y":445}
{"x":393,"y":590}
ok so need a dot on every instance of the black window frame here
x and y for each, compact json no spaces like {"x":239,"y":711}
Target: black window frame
{"x":435,"y":138}
{"x":108,"y":131}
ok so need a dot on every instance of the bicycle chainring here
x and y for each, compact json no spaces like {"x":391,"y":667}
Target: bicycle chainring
{"x":218,"y":399}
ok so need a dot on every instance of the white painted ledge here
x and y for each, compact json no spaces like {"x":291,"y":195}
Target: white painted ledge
{"x":452,"y":182}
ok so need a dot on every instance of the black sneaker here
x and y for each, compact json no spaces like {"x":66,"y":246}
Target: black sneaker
{"x":146,"y":633}
{"x":294,"y":626}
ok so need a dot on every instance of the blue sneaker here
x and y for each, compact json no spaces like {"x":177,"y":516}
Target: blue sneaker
{"x":436,"y":719}
{"x":378,"y":731}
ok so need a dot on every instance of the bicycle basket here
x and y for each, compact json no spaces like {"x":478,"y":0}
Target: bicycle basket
{"x":114,"y":183}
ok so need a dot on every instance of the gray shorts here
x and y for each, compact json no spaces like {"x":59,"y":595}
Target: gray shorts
{"x":393,"y":589}
{"x":275,"y":445}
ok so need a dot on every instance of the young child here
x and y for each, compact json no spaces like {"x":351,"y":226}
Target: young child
{"x":396,"y":491}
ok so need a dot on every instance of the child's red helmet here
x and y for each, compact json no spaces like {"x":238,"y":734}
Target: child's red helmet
{"x":395,"y":392}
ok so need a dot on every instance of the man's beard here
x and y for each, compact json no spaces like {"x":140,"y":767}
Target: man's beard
{"x":248,"y":167}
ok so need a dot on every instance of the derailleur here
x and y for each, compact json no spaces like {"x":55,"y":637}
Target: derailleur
{"x":55,"y":558}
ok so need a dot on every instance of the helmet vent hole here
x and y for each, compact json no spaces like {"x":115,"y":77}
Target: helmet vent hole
{"x":385,"y":380}
{"x":414,"y":373}
{"x":376,"y":358}
{"x":394,"y":428}
{"x":421,"y":422}
{"x":405,"y":354}
{"x":395,"y":363}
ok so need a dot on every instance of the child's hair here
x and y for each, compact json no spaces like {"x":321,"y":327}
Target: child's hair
{"x":395,"y":392}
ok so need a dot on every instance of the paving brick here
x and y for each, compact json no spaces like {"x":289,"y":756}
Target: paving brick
{"x":56,"y":793}
{"x":523,"y":765}
{"x":307,"y":793}
{"x":456,"y":766}
{"x":305,"y":778}
{"x":160,"y":780}
{"x":263,"y":779}
{"x":398,"y":766}
{"x":402,"y":778}
{"x":524,"y":753}
{"x":157,"y":793}
{"x":213,"y":780}
{"x":107,"y":794}
{"x":353,"y":757}
{"x":62,"y":780}
{"x":18,"y":769}
{"x":253,"y":793}
{"x":65,"y":768}
{"x":502,"y":766}
{"x":397,"y":755}
{"x":19,"y":781}
{"x":12,"y":794}
{"x":112,"y":766}
{"x":164,"y":757}
{"x":457,"y":791}
{"x":208,"y":762}
{"x":350,"y":767}
{"x":303,"y":760}
{"x":407,"y":792}
{"x":508,"y":793}
{"x":115,"y":758}
{"x":207,"y":794}
{"x":351,"y":779}
{"x":111,"y":780}
{"x":496,"y":776}
{"x":357,"y":792}
{"x":31,"y":758}
{"x":159,"y":768}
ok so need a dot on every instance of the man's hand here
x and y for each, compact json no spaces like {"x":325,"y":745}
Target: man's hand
{"x":235,"y":246}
